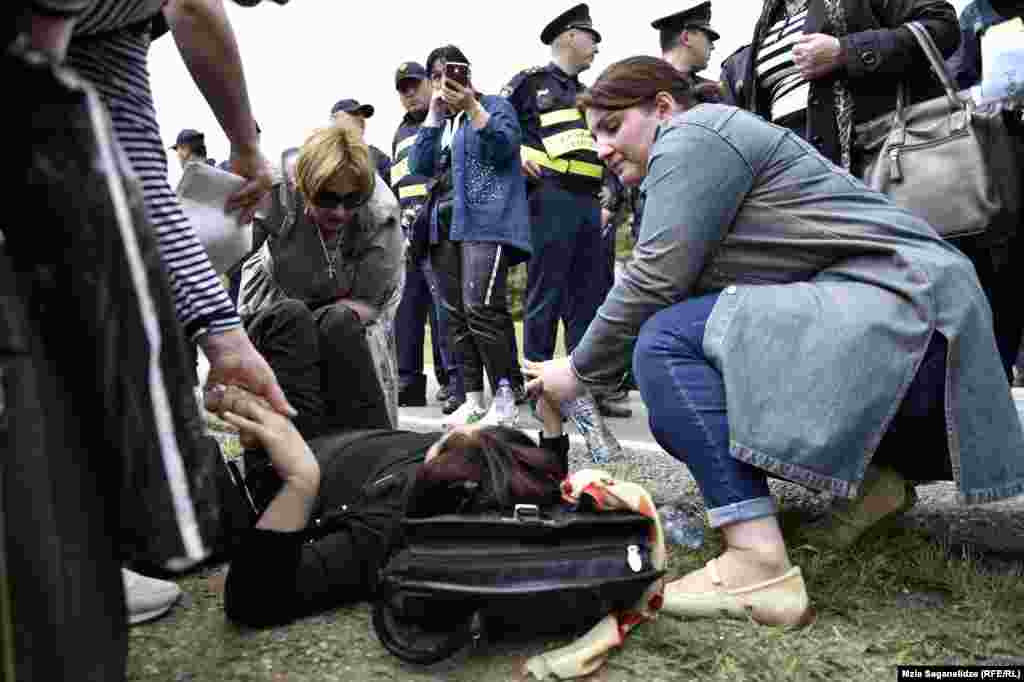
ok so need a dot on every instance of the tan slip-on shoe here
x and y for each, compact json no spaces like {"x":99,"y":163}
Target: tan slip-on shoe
{"x":779,"y":601}
{"x":885,"y":497}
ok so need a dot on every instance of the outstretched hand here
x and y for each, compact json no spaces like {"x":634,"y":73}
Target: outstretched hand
{"x":553,"y":379}
{"x":261,"y":426}
{"x":234,"y":360}
{"x":254,"y":167}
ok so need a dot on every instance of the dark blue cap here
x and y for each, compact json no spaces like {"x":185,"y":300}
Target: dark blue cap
{"x":189,"y":137}
{"x":409,"y":71}
{"x":577,"y":17}
{"x":352,"y":106}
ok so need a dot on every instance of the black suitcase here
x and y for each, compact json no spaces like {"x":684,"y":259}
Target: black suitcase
{"x":529,"y":571}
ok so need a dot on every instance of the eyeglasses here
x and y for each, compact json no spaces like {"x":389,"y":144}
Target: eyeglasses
{"x":328,"y":200}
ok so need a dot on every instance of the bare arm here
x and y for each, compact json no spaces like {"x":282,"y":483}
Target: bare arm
{"x":206,"y":41}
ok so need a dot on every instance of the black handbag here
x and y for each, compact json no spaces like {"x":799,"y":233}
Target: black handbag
{"x":535,"y":570}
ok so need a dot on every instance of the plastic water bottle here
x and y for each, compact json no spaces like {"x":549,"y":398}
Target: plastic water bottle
{"x":505,"y":404}
{"x":680,"y":528}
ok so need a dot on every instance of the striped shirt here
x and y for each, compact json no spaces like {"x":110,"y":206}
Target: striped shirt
{"x":776,"y":71}
{"x":116,"y":65}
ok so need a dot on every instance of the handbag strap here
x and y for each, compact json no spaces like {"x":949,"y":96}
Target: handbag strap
{"x":931,"y":51}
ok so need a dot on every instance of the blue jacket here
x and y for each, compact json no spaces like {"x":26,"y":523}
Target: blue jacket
{"x":965,"y":65}
{"x":831,"y":296}
{"x":490,"y":192}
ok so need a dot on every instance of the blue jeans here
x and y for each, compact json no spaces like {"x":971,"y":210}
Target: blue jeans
{"x":420,"y":300}
{"x":685,"y":398}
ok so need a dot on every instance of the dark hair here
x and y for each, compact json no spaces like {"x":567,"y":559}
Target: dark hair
{"x":638,"y":80}
{"x":494,"y":468}
{"x":448,"y":53}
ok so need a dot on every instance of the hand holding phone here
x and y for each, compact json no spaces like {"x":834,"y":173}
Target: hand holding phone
{"x":458,"y":72}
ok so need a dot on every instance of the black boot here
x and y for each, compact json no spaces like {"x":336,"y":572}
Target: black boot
{"x":414,"y":393}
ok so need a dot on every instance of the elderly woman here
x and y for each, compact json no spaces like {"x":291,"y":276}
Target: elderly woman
{"x":319,"y":297}
{"x":784,"y":320}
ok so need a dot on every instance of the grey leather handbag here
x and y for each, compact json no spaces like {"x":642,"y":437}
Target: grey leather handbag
{"x":946,"y":160}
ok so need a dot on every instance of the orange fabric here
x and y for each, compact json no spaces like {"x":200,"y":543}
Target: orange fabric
{"x":589,"y":652}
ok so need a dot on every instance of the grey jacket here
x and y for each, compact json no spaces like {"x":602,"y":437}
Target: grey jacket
{"x":831,"y":295}
{"x":292,"y":262}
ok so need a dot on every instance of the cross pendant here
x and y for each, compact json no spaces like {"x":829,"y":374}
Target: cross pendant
{"x":330,"y":270}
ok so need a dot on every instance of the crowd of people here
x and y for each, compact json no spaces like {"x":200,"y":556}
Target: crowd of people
{"x":778,"y":317}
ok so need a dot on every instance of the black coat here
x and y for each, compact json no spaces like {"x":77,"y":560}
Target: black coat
{"x":877,"y":53}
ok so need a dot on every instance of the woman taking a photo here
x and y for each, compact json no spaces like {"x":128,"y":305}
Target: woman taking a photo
{"x":784,"y":320}
{"x":319,"y":298}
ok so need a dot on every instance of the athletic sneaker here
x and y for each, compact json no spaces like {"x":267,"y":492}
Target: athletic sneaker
{"x":147,"y":598}
{"x":468,"y":413}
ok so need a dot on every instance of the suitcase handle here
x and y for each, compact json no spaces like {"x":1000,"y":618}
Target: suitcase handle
{"x":526,"y":513}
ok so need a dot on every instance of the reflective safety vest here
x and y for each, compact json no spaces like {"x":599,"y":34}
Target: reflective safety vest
{"x":410,"y":189}
{"x":555,"y":134}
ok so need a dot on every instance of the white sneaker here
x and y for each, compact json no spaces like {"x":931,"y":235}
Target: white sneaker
{"x":147,"y":598}
{"x":468,"y":413}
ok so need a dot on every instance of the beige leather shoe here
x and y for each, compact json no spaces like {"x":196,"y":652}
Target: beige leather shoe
{"x":886,"y":495}
{"x":779,"y":601}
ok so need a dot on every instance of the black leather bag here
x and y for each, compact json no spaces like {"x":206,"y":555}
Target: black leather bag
{"x":532,"y":571}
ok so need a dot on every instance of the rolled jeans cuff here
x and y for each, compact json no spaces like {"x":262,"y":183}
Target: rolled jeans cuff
{"x":747,"y":510}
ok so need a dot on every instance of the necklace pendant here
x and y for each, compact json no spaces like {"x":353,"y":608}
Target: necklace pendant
{"x":330,"y":270}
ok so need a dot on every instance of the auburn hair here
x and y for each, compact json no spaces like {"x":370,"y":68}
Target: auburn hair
{"x":636,"y":81}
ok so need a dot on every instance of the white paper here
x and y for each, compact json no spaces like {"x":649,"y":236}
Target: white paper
{"x":203,"y":191}
{"x":1002,"y":58}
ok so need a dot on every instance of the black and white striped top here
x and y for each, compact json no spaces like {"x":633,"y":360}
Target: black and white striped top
{"x":776,"y":71}
{"x":115,"y":62}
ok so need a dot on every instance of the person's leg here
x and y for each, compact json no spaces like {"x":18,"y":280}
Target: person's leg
{"x":587,"y":283}
{"x":285,"y":333}
{"x":409,"y":331}
{"x":484,"y":295}
{"x":685,"y":396}
{"x":547,"y":276}
{"x":444,"y":363}
{"x":446,"y":261}
{"x":353,"y":396}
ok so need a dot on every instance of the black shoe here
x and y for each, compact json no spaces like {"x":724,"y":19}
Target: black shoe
{"x":453,"y":403}
{"x":619,"y":396}
{"x":614,"y":410}
{"x":443,"y":394}
{"x":520,"y":393}
{"x":413,"y":394}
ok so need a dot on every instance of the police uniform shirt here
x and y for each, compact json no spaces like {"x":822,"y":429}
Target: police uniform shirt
{"x":555,"y":134}
{"x":410,"y":189}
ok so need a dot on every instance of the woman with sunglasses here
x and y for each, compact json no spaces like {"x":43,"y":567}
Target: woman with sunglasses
{"x":329,"y":510}
{"x":785,"y":320}
{"x":318,"y":299}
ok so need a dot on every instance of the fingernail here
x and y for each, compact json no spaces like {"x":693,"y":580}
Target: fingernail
{"x":217,"y":389}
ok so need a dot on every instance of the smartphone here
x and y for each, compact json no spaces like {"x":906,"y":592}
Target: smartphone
{"x":458,"y":72}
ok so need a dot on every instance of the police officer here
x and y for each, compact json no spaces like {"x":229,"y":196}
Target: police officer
{"x":358,"y":113}
{"x":564,"y":178}
{"x":566,"y":275}
{"x":687,"y":39}
{"x":419,"y":298}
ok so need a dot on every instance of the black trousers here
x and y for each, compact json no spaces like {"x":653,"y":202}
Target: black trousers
{"x":324,"y":365}
{"x":473,"y":279}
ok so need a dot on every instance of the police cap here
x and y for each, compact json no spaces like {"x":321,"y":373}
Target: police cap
{"x":352,"y":106}
{"x":697,"y":16}
{"x":577,"y":17}
{"x":409,"y":71}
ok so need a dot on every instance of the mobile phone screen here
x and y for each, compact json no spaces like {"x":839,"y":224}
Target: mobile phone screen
{"x":458,"y":72}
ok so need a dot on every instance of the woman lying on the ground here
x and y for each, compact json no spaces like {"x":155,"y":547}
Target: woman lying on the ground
{"x":319,"y":298}
{"x":784,"y":320}
{"x":338,"y":500}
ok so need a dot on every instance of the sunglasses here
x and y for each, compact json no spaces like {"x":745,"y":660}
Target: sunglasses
{"x":328,"y":200}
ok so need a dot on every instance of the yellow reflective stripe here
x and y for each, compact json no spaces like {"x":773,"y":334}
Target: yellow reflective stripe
{"x":590,"y":170}
{"x":578,"y":139}
{"x":399,"y":171}
{"x":542,"y":159}
{"x":553,"y":118}
{"x":412,"y":191}
{"x":407,"y":142}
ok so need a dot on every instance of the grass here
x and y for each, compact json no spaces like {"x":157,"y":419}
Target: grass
{"x":898,"y":598}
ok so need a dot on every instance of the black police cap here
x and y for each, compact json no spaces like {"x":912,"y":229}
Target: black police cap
{"x":409,"y":71}
{"x":352,"y":106}
{"x":696,"y":16}
{"x":577,"y":17}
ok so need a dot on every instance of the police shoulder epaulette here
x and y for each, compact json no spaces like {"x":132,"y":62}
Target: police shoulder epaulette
{"x":519,"y":79}
{"x":736,"y":52}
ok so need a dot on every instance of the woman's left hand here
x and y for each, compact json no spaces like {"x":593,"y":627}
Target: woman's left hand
{"x":816,"y":55}
{"x":554,"y":378}
{"x":458,"y":97}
